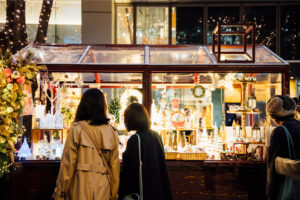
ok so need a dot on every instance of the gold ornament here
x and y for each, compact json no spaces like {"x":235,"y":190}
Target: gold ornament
{"x":16,"y":87}
{"x":2,"y":139}
{"x":7,"y":121}
{"x":14,"y":96}
{"x":13,"y":139}
{"x":2,"y":81}
{"x":15,"y":115}
{"x":17,"y":106}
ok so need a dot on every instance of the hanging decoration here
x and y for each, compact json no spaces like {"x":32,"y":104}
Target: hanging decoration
{"x":198,"y":91}
{"x":14,"y":73}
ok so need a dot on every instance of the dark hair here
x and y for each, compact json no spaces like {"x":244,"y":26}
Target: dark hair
{"x":136,"y":117}
{"x":287,"y":104}
{"x":296,"y":100}
{"x":92,"y":107}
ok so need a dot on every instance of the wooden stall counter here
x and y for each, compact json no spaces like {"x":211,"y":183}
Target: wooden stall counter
{"x":190,"y":180}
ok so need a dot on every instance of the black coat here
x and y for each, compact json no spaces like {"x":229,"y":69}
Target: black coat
{"x":279,"y":147}
{"x":155,"y":175}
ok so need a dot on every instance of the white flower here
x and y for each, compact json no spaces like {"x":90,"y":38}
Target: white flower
{"x":9,"y":109}
{"x":15,"y":74}
{"x":10,"y":86}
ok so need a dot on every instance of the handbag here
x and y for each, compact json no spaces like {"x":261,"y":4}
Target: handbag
{"x":290,"y":189}
{"x":97,"y":148}
{"x":135,"y":196}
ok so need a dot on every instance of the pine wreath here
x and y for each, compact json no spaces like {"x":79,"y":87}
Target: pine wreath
{"x":198,"y":91}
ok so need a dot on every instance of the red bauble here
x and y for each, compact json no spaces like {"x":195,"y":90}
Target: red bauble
{"x":21,"y":80}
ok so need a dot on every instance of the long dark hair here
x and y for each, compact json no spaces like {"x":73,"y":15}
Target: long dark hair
{"x":92,"y":107}
{"x":136,"y":117}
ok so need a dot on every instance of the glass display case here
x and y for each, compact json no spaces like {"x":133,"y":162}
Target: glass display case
{"x":202,"y":109}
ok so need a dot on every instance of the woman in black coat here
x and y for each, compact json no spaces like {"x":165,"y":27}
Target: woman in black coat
{"x":282,"y":110}
{"x":154,"y":172}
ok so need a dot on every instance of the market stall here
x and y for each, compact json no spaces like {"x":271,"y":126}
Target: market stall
{"x":211,"y":114}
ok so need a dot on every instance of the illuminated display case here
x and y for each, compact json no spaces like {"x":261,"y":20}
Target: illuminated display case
{"x":202,"y":109}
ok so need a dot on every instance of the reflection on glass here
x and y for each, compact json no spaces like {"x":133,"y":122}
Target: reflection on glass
{"x":225,"y":15}
{"x":265,"y":20}
{"x":64,"y":24}
{"x":201,"y":112}
{"x":57,"y":54}
{"x":290,"y":32}
{"x":124,"y":25}
{"x":2,"y":14}
{"x":119,"y":89}
{"x":179,"y":55}
{"x":152,"y":25}
{"x":115,"y":55}
{"x":262,"y":55}
{"x":189,"y":29}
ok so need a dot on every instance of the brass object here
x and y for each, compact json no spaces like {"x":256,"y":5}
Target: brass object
{"x":244,"y":110}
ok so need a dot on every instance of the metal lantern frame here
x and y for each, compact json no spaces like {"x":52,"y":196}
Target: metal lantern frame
{"x":243,"y":30}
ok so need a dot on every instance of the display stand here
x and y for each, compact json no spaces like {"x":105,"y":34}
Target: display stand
{"x":39,"y":134}
{"x":244,"y":110}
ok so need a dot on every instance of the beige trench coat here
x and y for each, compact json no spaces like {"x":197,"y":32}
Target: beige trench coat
{"x":82,"y":173}
{"x":288,"y":167}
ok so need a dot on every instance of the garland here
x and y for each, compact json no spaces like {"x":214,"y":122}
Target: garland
{"x":13,"y":75}
{"x":197,"y":87}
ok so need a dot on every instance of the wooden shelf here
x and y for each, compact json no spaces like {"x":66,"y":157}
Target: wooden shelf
{"x":49,"y":129}
{"x":248,"y":111}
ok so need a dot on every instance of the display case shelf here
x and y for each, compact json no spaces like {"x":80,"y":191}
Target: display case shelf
{"x":247,"y":111}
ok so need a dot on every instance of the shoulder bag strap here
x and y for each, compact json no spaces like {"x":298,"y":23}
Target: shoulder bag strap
{"x":97,"y":148}
{"x":140,"y":168}
{"x":290,"y":142}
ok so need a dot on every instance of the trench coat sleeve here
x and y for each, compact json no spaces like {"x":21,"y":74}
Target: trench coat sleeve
{"x":288,"y":167}
{"x":115,"y":168}
{"x":67,"y":166}
{"x":278,"y":147}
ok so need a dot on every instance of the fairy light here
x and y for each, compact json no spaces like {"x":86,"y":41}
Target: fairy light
{"x":16,"y":23}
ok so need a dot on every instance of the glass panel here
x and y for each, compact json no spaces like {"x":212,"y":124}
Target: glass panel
{"x":290,"y":32}
{"x":33,"y":9}
{"x":178,"y":55}
{"x":265,"y":20}
{"x":152,"y":25}
{"x":119,"y":90}
{"x":201,"y":112}
{"x":124,"y":25}
{"x":64,"y":24}
{"x":115,"y":55}
{"x":261,"y":55}
{"x":125,"y":89}
{"x":189,"y":29}
{"x":2,"y":14}
{"x":225,"y":15}
{"x":57,"y":54}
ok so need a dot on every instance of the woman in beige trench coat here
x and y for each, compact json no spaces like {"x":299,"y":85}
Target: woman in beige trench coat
{"x":83,"y":174}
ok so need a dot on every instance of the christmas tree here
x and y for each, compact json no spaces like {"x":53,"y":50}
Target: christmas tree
{"x":24,"y":152}
{"x":114,"y":108}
